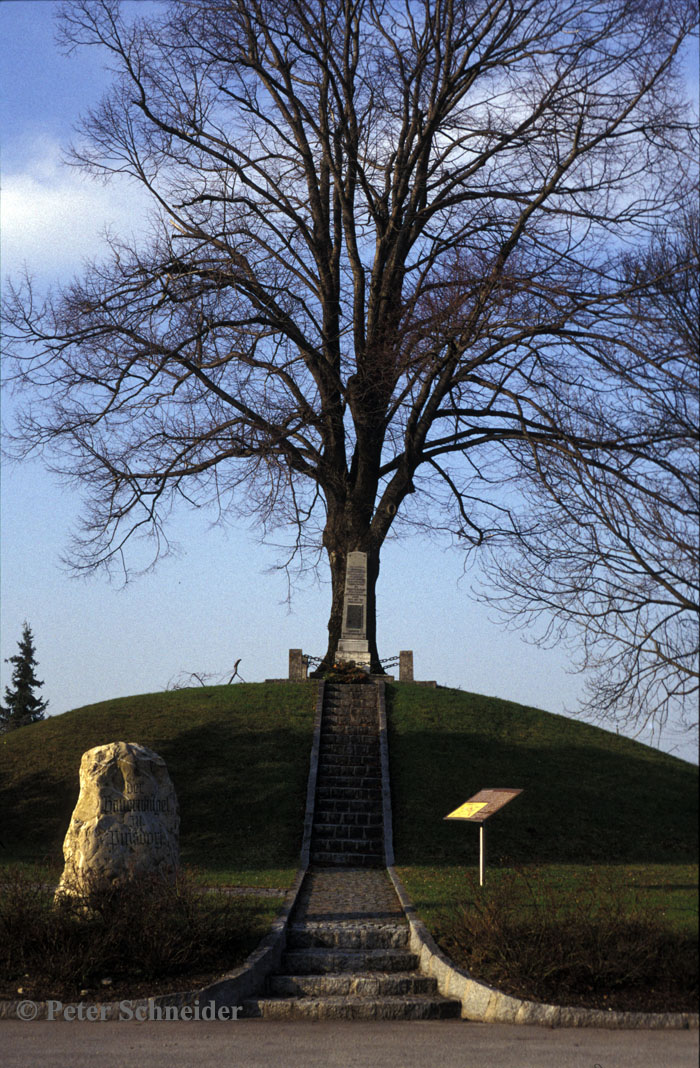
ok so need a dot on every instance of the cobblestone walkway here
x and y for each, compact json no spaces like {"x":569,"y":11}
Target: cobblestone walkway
{"x":357,"y":895}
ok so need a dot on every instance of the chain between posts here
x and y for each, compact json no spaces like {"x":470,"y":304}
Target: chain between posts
{"x":391,"y":661}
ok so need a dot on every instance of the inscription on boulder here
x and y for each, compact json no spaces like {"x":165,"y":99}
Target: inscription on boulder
{"x":126,"y":821}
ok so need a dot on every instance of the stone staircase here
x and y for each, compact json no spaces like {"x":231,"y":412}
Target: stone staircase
{"x":347,"y":953}
{"x":348,"y":815}
{"x":350,"y":972}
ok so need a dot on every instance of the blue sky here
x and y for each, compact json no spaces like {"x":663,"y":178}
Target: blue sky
{"x":220,"y":598}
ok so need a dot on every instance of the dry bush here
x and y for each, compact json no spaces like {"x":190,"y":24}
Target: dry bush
{"x":146,"y":930}
{"x":523,"y":936}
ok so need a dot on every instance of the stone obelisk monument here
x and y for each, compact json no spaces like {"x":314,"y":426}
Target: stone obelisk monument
{"x":353,"y":644}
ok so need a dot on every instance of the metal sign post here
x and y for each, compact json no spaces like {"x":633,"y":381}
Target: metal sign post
{"x":477,"y":810}
{"x":482,"y":857}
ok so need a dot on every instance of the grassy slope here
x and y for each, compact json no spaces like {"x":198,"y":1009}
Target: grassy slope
{"x":238,"y":757}
{"x":589,"y":795}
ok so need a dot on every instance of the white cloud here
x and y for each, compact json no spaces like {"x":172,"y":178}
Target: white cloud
{"x":53,"y":216}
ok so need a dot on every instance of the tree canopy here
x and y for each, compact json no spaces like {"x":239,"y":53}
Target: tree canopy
{"x":610,"y":559}
{"x":386,"y":257}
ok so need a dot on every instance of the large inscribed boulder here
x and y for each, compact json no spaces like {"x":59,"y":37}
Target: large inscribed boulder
{"x":126,"y":821}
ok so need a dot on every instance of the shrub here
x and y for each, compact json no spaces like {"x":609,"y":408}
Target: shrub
{"x":145,"y":931}
{"x":518,"y":937}
{"x":347,"y":671}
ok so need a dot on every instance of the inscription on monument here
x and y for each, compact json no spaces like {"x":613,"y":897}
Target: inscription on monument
{"x":126,"y":820}
{"x":353,"y":644}
{"x":136,"y":804}
{"x":355,"y":594}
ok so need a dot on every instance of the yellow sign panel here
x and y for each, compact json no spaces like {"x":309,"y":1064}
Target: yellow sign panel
{"x":467,"y":810}
{"x":483,"y":804}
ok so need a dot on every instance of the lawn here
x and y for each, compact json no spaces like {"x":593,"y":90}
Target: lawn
{"x":238,"y":757}
{"x":591,"y":890}
{"x":605,"y":829}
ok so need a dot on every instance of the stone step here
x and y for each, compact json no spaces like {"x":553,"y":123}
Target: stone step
{"x":352,"y":713}
{"x":324,"y":859}
{"x":335,"y":754}
{"x":350,"y":805}
{"x":358,"y":787}
{"x":342,"y":771}
{"x":342,"y":695}
{"x":344,"y":690}
{"x":354,"y":771}
{"x":353,"y":710}
{"x":365,"y":705}
{"x":363,"y":736}
{"x":344,"y":935}
{"x":339,"y":833}
{"x":348,"y":716}
{"x":345,"y":739}
{"x":348,"y":793}
{"x":346,"y":754}
{"x":321,"y":961}
{"x":355,"y":782}
{"x":408,"y":1007}
{"x":338,"y":844}
{"x":347,"y":984}
{"x":324,"y":816}
{"x":350,"y":754}
{"x":361,"y":821}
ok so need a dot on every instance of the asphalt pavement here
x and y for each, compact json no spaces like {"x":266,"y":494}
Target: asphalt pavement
{"x":335,"y":1044}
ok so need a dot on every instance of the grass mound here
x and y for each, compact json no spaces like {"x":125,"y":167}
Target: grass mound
{"x":592,"y":878}
{"x":589,"y":795}
{"x":238,"y":757}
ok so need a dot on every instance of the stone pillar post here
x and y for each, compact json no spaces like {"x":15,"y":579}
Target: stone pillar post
{"x":298,"y":665}
{"x":406,"y":665}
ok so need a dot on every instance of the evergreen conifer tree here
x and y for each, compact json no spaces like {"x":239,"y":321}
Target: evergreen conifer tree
{"x":22,"y":705}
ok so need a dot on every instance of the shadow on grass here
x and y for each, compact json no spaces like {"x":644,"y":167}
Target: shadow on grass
{"x":34,"y":816}
{"x":667,"y":887}
{"x":240,"y":772}
{"x":242,"y":797}
{"x":589,"y":796}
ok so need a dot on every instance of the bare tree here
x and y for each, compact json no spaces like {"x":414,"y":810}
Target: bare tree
{"x":384,"y":229}
{"x":184,"y":679}
{"x":608,"y":554}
